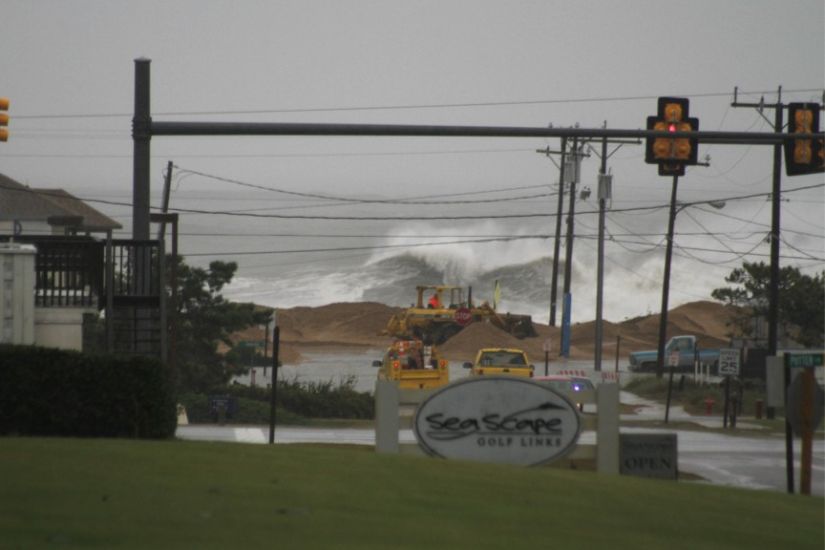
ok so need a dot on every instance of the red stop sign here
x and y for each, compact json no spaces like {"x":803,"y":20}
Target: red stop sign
{"x":463,"y":316}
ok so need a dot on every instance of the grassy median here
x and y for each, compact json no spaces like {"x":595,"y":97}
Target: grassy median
{"x":173,"y":494}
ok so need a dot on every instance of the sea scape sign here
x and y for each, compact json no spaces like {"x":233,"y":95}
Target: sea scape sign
{"x":497,"y":419}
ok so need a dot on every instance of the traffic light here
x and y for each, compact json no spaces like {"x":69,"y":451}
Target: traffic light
{"x":672,"y":154}
{"x":804,"y":156}
{"x":4,"y":118}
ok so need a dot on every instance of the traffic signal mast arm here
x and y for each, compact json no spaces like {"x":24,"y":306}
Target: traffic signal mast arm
{"x":171,"y":128}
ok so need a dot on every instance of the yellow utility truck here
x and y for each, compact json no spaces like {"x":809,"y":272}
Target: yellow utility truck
{"x":414,"y":365}
{"x":505,"y":361}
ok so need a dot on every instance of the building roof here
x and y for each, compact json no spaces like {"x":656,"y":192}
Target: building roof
{"x":93,"y":220}
{"x":19,"y":202}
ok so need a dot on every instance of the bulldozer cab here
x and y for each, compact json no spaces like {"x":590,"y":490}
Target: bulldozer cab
{"x":440,"y":297}
{"x":433,"y":320}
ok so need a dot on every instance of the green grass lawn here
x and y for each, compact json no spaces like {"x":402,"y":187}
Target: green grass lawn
{"x":173,"y":494}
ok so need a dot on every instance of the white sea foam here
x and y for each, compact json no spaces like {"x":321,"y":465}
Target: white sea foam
{"x":632,"y":284}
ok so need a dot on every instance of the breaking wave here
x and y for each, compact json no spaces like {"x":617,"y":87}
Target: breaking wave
{"x":522,"y":267}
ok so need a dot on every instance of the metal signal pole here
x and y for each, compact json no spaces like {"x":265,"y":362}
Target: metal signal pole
{"x":773,"y":285}
{"x":554,"y":283}
{"x":604,"y":194}
{"x":142,"y":139}
{"x":567,"y":303}
{"x":671,"y":222}
{"x":273,"y":396}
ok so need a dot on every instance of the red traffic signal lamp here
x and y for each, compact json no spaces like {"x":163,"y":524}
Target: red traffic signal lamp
{"x":672,"y":154}
{"x":4,"y":118}
{"x":804,"y":155}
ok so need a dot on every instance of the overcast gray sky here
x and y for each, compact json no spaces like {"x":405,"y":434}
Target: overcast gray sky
{"x":441,"y":62}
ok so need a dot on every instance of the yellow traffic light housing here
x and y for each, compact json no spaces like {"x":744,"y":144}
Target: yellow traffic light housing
{"x":672,"y":154}
{"x":804,"y":155}
{"x":4,"y":118}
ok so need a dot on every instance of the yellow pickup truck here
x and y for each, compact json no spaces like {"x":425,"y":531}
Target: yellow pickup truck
{"x":506,"y":361}
{"x":414,"y":365}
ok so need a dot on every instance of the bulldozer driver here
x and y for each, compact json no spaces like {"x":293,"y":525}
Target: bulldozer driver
{"x":434,"y":302}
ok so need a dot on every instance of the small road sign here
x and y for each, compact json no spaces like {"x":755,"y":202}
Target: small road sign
{"x":547,"y":346}
{"x":673,"y":359}
{"x":729,"y":362}
{"x":250,"y":344}
{"x":800,"y":360}
{"x":649,"y":455}
{"x":463,"y":316}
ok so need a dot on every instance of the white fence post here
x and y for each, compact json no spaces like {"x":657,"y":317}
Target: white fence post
{"x":607,"y":429}
{"x":387,"y":422}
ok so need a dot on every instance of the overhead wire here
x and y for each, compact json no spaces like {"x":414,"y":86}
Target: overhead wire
{"x":278,"y":155}
{"x":248,"y":235}
{"x":737,"y":255}
{"x":789,"y":245}
{"x":489,"y":216}
{"x":401,"y":106}
{"x":463,"y":241}
{"x":752,"y":222}
{"x":790,"y":211}
{"x":372,"y":247}
{"x":645,"y":277}
{"x":714,"y":237}
{"x":362,"y":200}
{"x":426,"y":218}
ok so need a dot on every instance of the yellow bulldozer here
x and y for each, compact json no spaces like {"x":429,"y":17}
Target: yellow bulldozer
{"x":446,"y":312}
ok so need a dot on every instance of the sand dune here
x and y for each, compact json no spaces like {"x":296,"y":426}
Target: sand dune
{"x":359,"y":324}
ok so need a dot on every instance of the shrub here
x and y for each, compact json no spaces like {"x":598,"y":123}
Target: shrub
{"x":247,"y":411}
{"x":47,"y":391}
{"x":296,"y":402}
{"x":326,"y":399}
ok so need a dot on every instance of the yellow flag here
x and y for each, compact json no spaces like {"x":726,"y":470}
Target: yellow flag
{"x":496,"y":296}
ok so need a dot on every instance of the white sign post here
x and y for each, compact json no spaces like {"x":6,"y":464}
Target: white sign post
{"x":728,"y":362}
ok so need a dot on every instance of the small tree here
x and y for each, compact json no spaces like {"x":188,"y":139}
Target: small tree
{"x":801,"y":300}
{"x":204,"y":320}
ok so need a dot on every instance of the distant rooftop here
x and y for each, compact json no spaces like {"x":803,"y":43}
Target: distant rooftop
{"x":23,"y":203}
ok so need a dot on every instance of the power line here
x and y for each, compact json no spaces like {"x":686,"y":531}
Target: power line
{"x":789,"y":245}
{"x":430,"y":236}
{"x":464,"y":241}
{"x":697,"y":222}
{"x":280,"y":155}
{"x":751,"y":222}
{"x":363,"y":200}
{"x":737,"y":255}
{"x":400,"y":107}
{"x":474,"y":217}
{"x":718,"y":251}
{"x":644,"y":277}
{"x":486,"y":216}
{"x":374,"y":247}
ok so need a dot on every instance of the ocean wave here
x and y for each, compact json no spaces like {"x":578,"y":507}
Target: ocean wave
{"x":525,"y":286}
